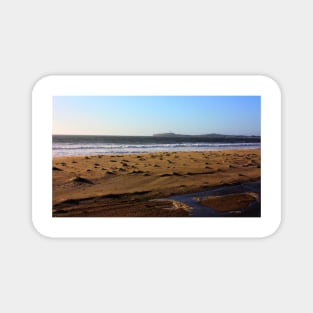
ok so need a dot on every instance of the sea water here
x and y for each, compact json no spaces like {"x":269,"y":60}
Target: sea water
{"x":73,"y":145}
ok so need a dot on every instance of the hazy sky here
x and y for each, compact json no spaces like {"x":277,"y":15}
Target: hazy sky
{"x":146,"y":115}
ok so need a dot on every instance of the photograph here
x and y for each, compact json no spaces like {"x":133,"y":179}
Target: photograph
{"x":156,"y":156}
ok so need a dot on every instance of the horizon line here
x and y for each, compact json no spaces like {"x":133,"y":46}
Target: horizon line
{"x":155,"y":135}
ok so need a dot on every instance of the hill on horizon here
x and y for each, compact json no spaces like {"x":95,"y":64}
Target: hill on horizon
{"x":212,"y":135}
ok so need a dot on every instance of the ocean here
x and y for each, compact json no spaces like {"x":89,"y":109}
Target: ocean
{"x":73,"y":145}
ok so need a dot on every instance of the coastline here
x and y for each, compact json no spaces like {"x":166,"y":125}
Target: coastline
{"x":123,"y":185}
{"x":69,"y":145}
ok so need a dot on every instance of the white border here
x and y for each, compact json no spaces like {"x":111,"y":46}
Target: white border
{"x":262,"y":86}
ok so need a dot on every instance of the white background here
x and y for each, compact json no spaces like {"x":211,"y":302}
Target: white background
{"x":155,"y":37}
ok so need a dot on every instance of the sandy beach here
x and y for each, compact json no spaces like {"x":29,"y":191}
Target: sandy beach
{"x":141,"y":185}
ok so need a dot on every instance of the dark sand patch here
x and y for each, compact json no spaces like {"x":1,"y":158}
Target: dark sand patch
{"x":82,"y":180}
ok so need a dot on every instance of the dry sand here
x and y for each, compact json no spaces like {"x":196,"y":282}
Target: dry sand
{"x":123,"y":185}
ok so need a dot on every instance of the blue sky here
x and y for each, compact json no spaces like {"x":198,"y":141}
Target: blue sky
{"x":146,"y":115}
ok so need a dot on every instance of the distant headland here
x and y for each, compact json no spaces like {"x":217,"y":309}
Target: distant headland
{"x":212,"y":135}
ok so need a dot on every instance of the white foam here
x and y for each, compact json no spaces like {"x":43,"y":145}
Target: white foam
{"x":100,"y":148}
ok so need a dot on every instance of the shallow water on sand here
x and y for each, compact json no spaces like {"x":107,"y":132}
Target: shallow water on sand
{"x":198,"y":210}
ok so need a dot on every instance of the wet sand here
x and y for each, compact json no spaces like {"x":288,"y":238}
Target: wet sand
{"x":125,"y":185}
{"x":233,"y":200}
